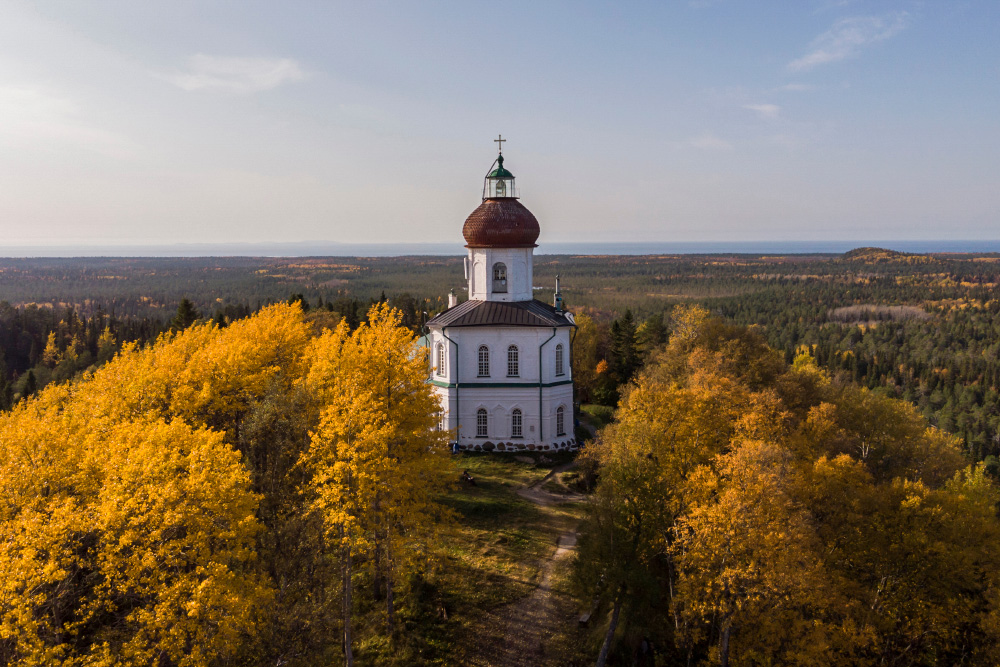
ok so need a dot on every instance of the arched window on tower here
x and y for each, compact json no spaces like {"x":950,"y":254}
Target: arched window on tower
{"x":440,"y":359}
{"x":515,"y":424}
{"x":560,"y":368}
{"x":484,"y":361}
{"x":513,"y":368}
{"x":560,"y":420}
{"x":499,"y":277}
{"x":482,"y":423}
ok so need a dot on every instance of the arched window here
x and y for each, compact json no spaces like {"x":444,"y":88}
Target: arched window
{"x":484,"y":361}
{"x":499,"y":277}
{"x":482,"y":422}
{"x":515,"y":424}
{"x":440,"y":359}
{"x":512,"y":366}
{"x":560,"y":370}
{"x":560,"y":421}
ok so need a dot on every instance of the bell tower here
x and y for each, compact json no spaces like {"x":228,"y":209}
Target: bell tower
{"x":500,"y":236}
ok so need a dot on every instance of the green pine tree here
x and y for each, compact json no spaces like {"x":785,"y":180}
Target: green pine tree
{"x":186,"y":315}
{"x":625,"y":357}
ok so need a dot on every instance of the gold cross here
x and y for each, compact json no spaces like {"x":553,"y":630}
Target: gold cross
{"x":499,"y":141}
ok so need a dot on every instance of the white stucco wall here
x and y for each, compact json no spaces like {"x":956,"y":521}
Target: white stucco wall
{"x":464,"y":349}
{"x":519,"y":273}
{"x":499,"y":394}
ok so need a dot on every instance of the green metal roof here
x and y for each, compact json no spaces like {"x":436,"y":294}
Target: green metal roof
{"x":500,"y":172}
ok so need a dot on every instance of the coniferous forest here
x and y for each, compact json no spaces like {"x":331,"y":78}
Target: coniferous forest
{"x":788,"y":460}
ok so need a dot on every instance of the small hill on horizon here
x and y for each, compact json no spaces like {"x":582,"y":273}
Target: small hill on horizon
{"x":873,"y":255}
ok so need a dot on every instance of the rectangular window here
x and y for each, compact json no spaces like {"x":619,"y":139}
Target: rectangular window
{"x":512,"y":365}
{"x":560,"y":422}
{"x":484,"y":362}
{"x":482,"y":422}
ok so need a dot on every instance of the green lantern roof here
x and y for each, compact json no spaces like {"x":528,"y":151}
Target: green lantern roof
{"x":500,"y":172}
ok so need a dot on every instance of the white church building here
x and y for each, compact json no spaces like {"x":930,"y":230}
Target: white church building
{"x":500,"y":362}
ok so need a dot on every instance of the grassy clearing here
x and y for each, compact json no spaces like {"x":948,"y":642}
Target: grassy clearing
{"x":497,"y":541}
{"x":493,"y":555}
{"x":598,"y":416}
{"x":491,"y":558}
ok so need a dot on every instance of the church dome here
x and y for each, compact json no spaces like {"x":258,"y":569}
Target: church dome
{"x":501,"y":223}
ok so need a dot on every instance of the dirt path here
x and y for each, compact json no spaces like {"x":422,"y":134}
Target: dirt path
{"x":532,"y":620}
{"x":536,"y":494}
{"x":526,"y":625}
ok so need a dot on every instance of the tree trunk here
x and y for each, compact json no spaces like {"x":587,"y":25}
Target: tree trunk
{"x":727,"y":628}
{"x":390,"y":609}
{"x":377,"y":561}
{"x":606,"y":648}
{"x":345,"y":571}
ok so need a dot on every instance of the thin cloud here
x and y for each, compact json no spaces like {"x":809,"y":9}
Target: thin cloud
{"x":236,"y":75}
{"x":848,"y":37}
{"x":710,"y":142}
{"x":38,"y":118}
{"x":764,"y":110}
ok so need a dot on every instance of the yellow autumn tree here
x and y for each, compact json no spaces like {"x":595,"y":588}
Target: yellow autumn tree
{"x":376,"y":457}
{"x":130,"y":522}
{"x":666,"y":430}
{"x":51,"y":355}
{"x":746,"y":560}
{"x":107,"y":346}
{"x":586,"y":357}
{"x":123,"y":541}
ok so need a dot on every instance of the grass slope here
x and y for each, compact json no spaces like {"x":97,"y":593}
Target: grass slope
{"x":491,"y":559}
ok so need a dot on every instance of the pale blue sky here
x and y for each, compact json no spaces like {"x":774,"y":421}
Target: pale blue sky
{"x":710,"y":120}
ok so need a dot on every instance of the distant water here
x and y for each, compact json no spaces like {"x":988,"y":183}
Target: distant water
{"x":762,"y":247}
{"x":327,"y":249}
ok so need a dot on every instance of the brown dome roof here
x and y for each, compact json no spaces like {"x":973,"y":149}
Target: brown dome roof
{"x":501,"y":223}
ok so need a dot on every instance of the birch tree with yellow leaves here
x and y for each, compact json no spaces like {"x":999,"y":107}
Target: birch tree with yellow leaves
{"x":376,"y":456}
{"x":124,"y":543}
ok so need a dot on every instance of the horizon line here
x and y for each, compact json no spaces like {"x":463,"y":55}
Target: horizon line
{"x":278,"y":249}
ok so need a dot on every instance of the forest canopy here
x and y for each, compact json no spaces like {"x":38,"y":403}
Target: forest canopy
{"x":748,"y":511}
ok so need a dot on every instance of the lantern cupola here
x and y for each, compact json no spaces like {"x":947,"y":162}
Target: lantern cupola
{"x":499,"y":183}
